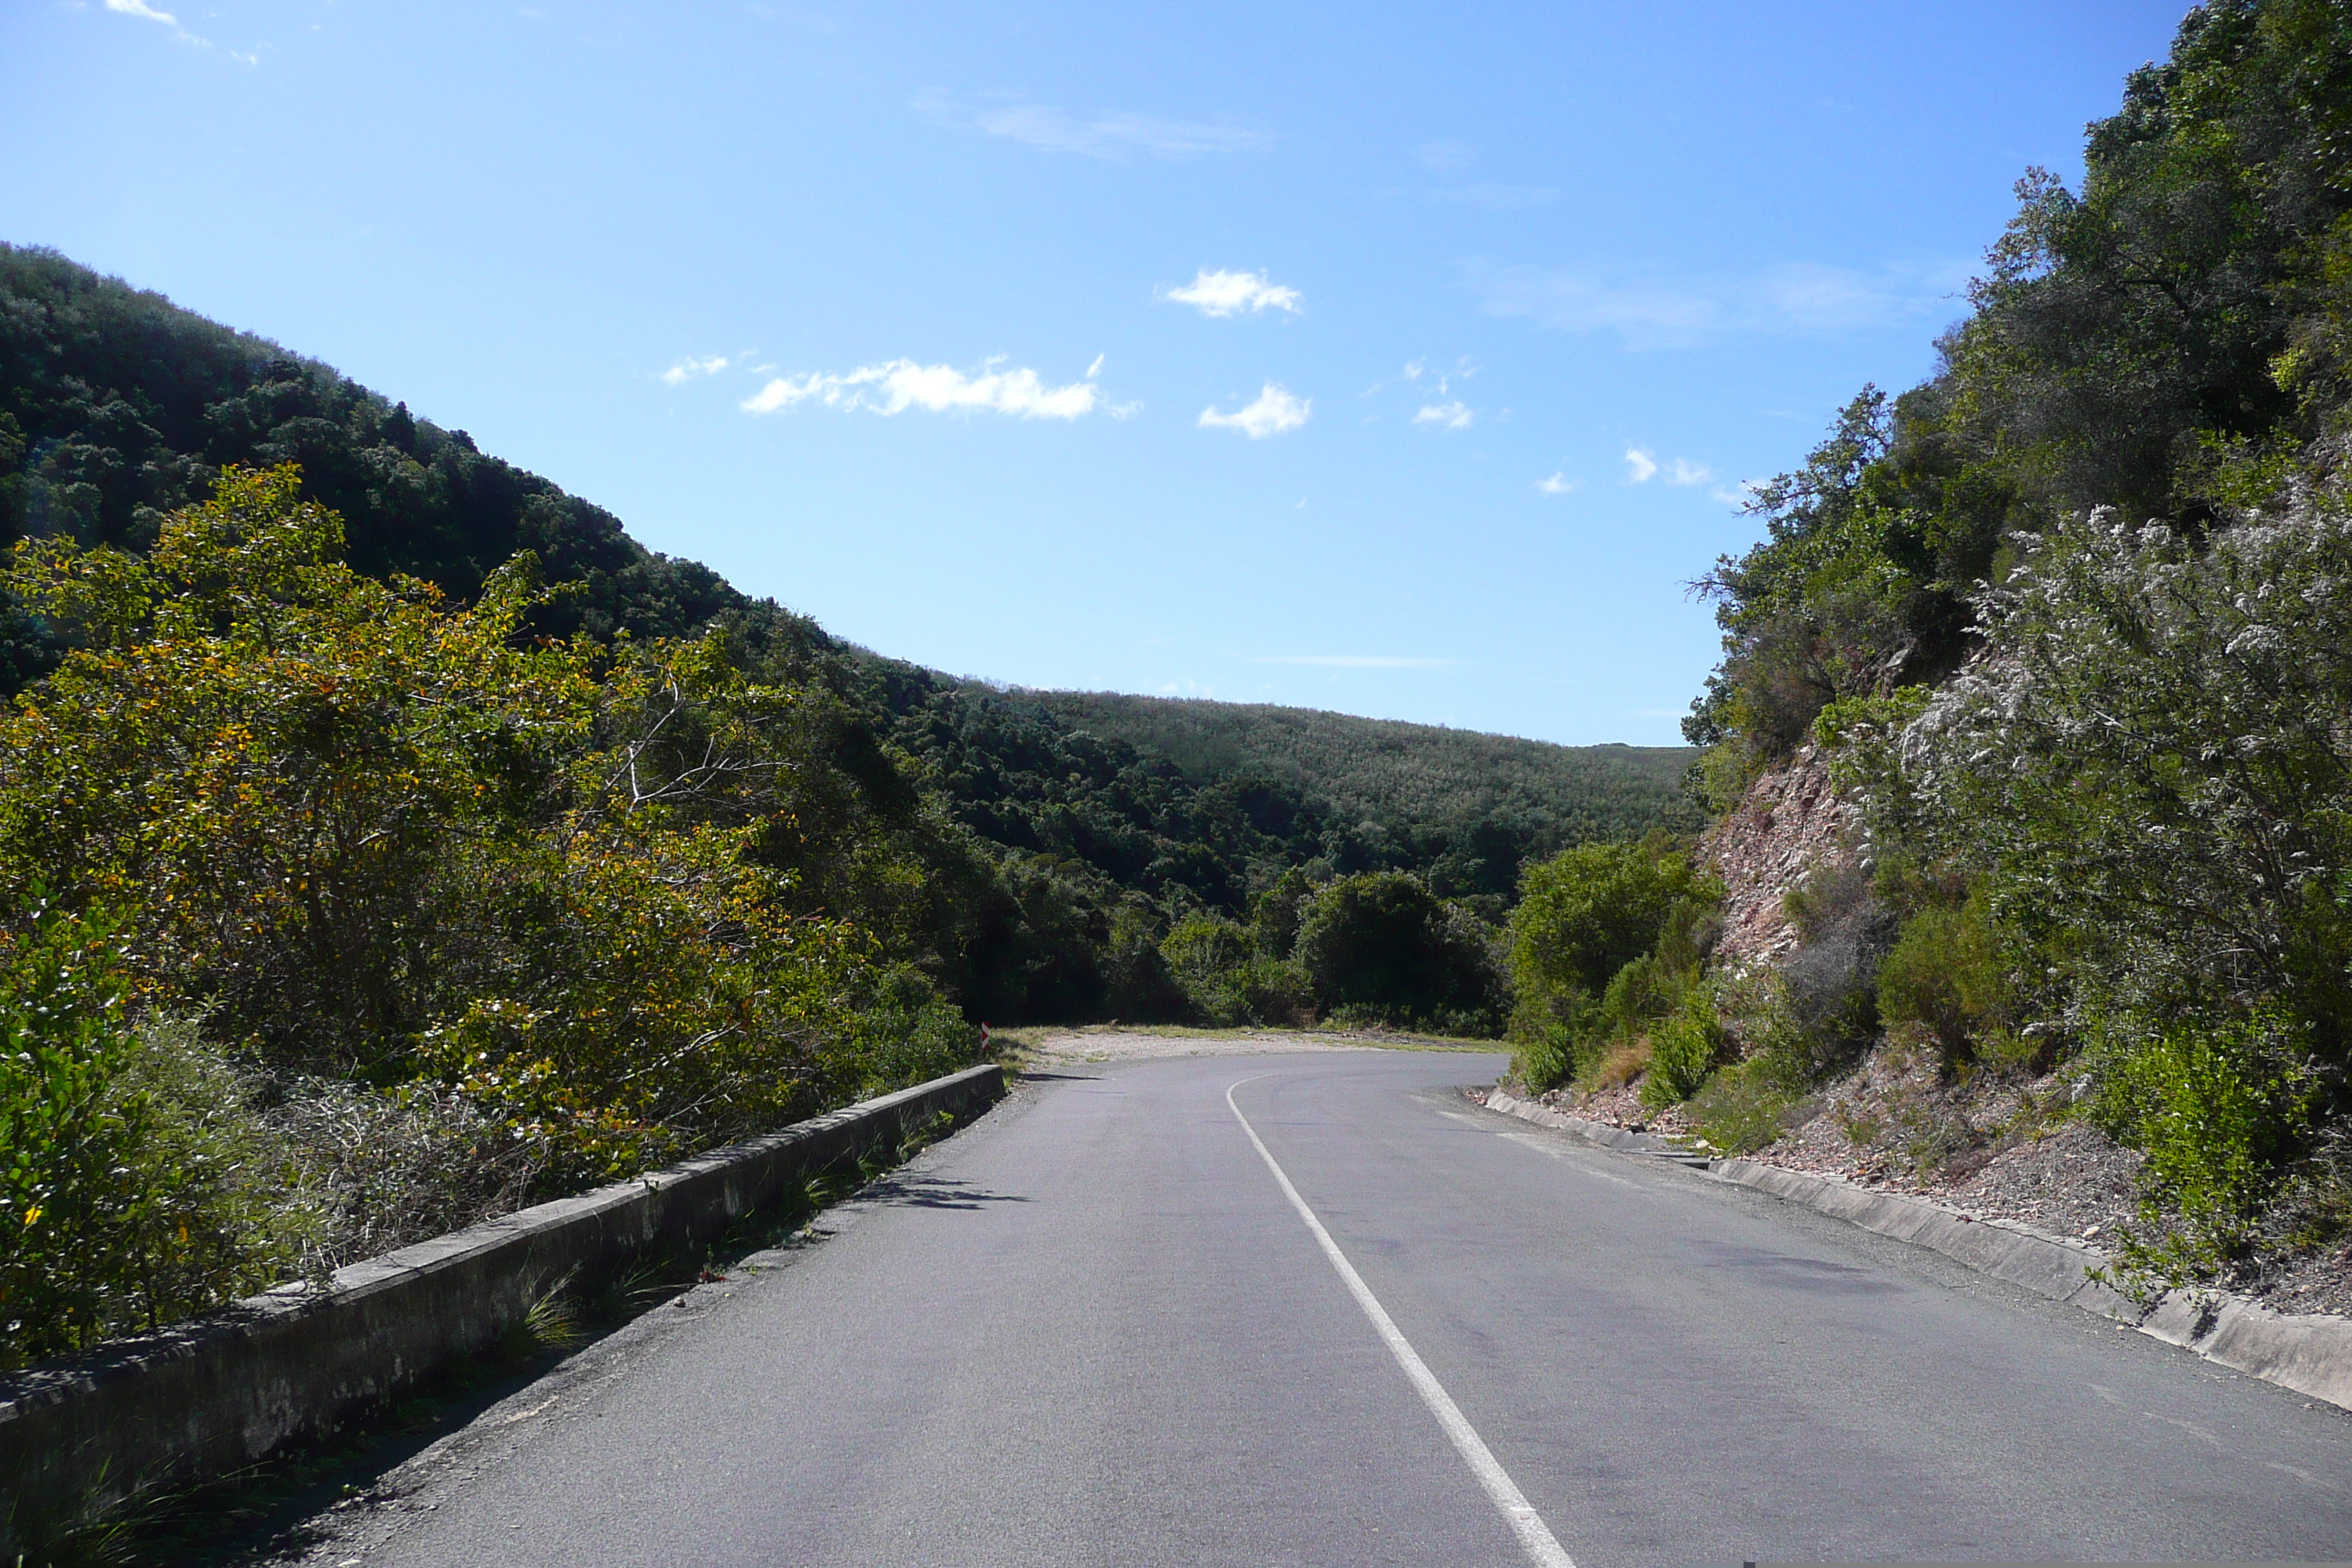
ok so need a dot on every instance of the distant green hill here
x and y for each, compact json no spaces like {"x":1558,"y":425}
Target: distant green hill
{"x":1408,"y":780}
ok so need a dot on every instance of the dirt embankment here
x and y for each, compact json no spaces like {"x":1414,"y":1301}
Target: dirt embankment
{"x":1789,"y":821}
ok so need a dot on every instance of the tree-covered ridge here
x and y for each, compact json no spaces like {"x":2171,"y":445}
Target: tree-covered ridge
{"x":116,"y":406}
{"x":1486,"y":804}
{"x":2070,"y":619}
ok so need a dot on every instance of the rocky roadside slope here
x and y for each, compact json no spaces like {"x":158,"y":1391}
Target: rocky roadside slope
{"x":1995,"y":1147}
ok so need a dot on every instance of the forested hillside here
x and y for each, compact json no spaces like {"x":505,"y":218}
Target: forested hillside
{"x":1474,"y":807}
{"x":2069,"y":621}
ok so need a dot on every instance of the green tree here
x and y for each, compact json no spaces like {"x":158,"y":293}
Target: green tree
{"x":1589,"y":911}
{"x":1382,"y":946}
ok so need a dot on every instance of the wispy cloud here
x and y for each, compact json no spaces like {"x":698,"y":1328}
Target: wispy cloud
{"x":146,"y":13}
{"x":1657,"y":311}
{"x":1740,"y":494}
{"x":1275,"y":411}
{"x":1560,"y":484}
{"x":687,"y":369}
{"x":900,"y":384}
{"x":1642,"y":466}
{"x":1222,"y":294}
{"x":1119,"y":135}
{"x":1456,"y":416}
{"x":1488,"y":195}
{"x":1359,"y":662}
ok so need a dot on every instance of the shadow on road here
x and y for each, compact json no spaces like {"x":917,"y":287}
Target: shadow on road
{"x":933,"y":1193}
{"x":1808,"y":1274}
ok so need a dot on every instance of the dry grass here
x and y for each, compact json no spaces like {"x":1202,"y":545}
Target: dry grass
{"x":1622,"y":1065}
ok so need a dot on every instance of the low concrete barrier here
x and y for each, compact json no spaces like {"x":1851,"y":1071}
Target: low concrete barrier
{"x":2311,"y":1353}
{"x":206,"y":1398}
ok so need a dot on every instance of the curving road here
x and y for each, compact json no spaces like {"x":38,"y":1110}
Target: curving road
{"x":1318,"y":1308}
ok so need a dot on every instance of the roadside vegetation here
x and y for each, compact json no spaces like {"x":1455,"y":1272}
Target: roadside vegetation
{"x":2069,"y":619}
{"x":350,"y":917}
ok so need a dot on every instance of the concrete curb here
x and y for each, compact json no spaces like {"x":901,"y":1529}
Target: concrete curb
{"x":2309,"y":1353}
{"x":206,"y":1398}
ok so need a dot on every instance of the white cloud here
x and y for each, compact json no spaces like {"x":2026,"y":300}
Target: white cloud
{"x":1560,"y":484}
{"x":1681,"y":311}
{"x":1639,"y":465}
{"x":1224,"y":293}
{"x":900,"y":384}
{"x":1274,"y":412}
{"x":140,"y":9}
{"x":1740,"y":494}
{"x":1446,"y":157}
{"x":1360,"y":661}
{"x":1117,"y":135}
{"x":1680,"y":472}
{"x":687,"y":369}
{"x":1453,"y":416}
{"x":1412,"y":369}
{"x":1095,"y":369}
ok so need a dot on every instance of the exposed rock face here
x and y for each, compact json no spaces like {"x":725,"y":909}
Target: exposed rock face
{"x":1789,"y":821}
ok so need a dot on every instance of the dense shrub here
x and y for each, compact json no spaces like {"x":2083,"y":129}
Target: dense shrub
{"x":1827,"y":987}
{"x":1744,"y":1107}
{"x":1380,"y":948}
{"x":2223,"y":1112}
{"x":1589,"y":911}
{"x":1684,"y":1048}
{"x":1606,"y":939}
{"x":382,"y":1167}
{"x":135,"y":1186}
{"x":1946,"y":975}
{"x":1228,"y":977}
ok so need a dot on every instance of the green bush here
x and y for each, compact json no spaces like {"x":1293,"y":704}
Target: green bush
{"x":1946,"y":975}
{"x":2222,"y":1111}
{"x":1738,"y":1110}
{"x":1587,"y":913}
{"x":1606,"y":938}
{"x":1543,"y":1054}
{"x":136,"y":1185}
{"x":1684,"y":1049}
{"x":1228,"y":978}
{"x":1643,"y":990}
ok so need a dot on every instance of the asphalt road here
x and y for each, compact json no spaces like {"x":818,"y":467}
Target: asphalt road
{"x":1095,"y":1328}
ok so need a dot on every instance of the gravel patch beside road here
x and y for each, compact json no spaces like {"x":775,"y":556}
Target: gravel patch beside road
{"x":1100,"y":1045}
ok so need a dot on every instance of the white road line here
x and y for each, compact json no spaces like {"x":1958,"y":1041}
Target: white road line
{"x":1534,"y":1536}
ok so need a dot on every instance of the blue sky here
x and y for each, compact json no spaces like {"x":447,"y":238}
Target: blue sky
{"x":1400,"y":360}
